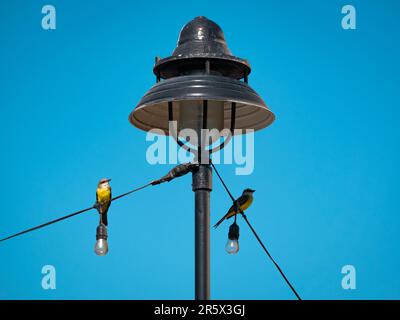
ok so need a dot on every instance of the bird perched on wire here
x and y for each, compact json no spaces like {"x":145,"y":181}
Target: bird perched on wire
{"x":103,"y":199}
{"x":243,"y":202}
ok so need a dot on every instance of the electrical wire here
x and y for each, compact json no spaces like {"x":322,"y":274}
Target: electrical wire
{"x":74,"y":214}
{"x":255,"y":233}
{"x":182,"y":169}
{"x":132,"y":191}
{"x":177,"y":171}
{"x":269,"y":255}
{"x":47,"y":223}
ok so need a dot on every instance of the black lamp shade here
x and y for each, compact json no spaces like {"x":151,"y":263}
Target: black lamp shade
{"x":152,"y":110}
{"x":202,"y":68}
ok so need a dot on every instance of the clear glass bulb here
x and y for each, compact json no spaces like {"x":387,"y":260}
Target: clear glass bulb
{"x":101,"y":247}
{"x":232,"y":246}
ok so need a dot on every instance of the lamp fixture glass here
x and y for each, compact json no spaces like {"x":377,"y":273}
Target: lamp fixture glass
{"x":232,"y":246}
{"x":101,"y":246}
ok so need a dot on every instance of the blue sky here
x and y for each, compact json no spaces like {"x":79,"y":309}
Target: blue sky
{"x":326,"y":172}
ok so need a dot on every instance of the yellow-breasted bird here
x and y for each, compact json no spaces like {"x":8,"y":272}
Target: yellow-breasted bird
{"x":244,"y":201}
{"x":103,"y":199}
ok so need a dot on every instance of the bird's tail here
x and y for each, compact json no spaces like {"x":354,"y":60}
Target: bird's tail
{"x":103,"y":210}
{"x":104,"y":219}
{"x":220,"y":221}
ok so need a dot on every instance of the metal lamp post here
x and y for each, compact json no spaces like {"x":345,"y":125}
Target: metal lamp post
{"x":201,"y":86}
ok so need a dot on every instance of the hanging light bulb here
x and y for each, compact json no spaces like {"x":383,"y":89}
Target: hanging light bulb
{"x":232,"y":246}
{"x":101,"y":246}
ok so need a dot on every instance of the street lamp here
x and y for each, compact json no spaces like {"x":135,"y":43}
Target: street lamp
{"x":201,"y":86}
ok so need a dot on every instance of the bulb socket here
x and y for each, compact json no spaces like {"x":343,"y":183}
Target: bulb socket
{"x":233,"y":232}
{"x":101,"y":232}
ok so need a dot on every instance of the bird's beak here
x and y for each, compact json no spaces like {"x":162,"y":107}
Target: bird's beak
{"x":253,"y":190}
{"x":108,"y":180}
